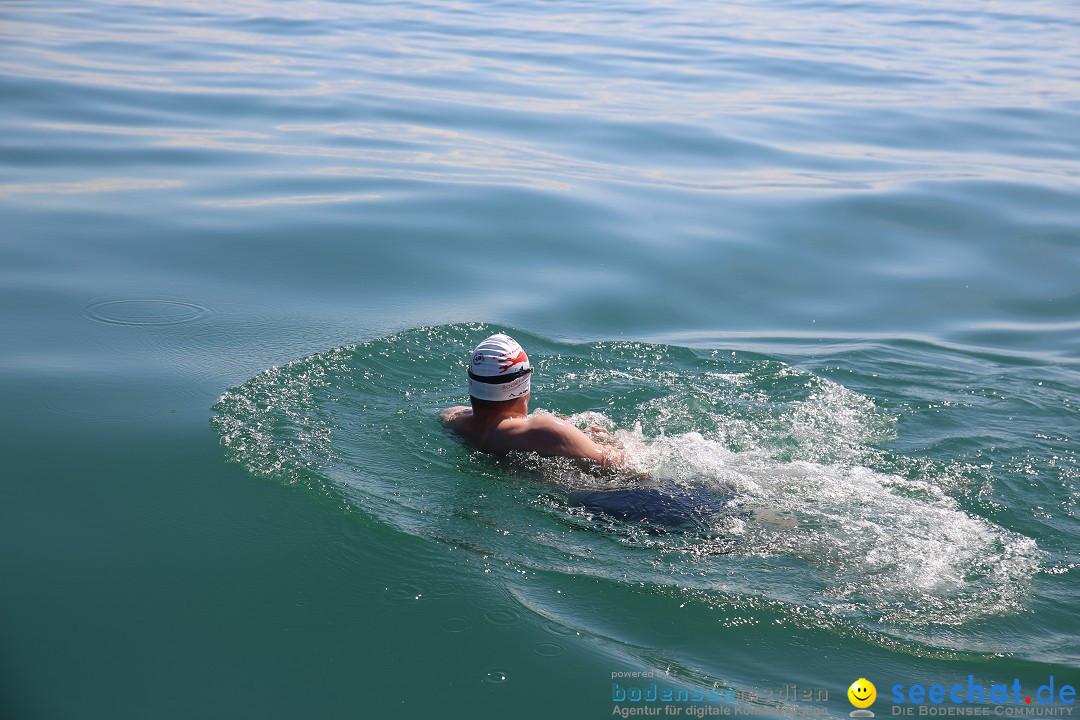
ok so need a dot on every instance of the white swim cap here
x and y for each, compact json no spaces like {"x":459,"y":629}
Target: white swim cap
{"x":499,"y":369}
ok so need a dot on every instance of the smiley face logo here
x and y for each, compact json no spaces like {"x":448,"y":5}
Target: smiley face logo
{"x":862,"y":693}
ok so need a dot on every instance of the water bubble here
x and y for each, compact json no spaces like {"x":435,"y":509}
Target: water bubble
{"x":496,"y":676}
{"x":403,"y":593}
{"x":454,"y":625}
{"x":147,"y":311}
{"x":548,"y":649}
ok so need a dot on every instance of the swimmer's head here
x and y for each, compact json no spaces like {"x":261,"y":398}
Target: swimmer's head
{"x":499,"y":370}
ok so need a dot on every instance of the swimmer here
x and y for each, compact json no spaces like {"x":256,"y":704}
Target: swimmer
{"x":499,"y":421}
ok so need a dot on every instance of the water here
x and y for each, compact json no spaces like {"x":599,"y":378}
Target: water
{"x":820,"y":254}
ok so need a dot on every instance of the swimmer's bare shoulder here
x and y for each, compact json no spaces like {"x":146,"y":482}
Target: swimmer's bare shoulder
{"x":455,"y":414}
{"x":543,"y":434}
{"x":550,"y":436}
{"x":460,"y":419}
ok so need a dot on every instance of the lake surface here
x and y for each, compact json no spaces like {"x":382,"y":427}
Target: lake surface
{"x":819,"y":257}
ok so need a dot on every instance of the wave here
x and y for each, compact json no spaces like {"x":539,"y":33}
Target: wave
{"x":825,"y":517}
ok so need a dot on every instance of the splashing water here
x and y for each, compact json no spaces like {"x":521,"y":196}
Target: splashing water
{"x":823,"y":518}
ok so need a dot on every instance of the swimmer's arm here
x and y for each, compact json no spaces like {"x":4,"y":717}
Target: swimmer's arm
{"x":448,"y":415}
{"x":551,"y":436}
{"x":600,"y":434}
{"x":611,"y":455}
{"x":596,"y":432}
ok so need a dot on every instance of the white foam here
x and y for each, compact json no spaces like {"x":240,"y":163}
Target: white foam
{"x":900,"y":549}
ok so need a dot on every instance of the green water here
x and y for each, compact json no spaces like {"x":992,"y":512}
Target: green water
{"x":820,"y":257}
{"x":845,"y":529}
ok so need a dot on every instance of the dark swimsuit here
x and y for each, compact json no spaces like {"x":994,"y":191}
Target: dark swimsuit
{"x":671,"y":506}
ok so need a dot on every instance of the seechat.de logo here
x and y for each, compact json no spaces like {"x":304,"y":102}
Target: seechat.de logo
{"x":862,"y":694}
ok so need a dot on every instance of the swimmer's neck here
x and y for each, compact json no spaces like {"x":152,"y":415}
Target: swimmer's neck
{"x":515,"y":410}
